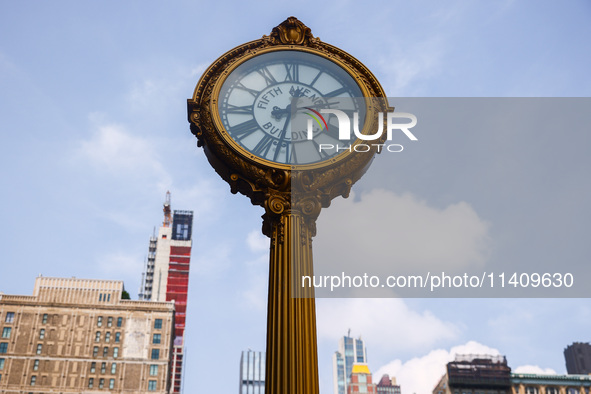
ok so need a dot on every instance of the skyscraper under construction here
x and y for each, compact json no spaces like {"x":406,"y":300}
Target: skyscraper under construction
{"x":166,"y":277}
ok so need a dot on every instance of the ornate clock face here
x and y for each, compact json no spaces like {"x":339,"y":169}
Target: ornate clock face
{"x":271,"y":105}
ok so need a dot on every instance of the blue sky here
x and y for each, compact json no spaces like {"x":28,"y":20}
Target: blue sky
{"x":94,"y":132}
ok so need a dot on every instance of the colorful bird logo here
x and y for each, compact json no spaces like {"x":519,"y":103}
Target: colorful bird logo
{"x":316,"y":118}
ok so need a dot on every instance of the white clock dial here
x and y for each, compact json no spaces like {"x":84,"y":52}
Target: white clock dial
{"x":266,"y":104}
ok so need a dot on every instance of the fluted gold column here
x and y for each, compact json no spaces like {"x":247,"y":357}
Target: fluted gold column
{"x":292,"y":360}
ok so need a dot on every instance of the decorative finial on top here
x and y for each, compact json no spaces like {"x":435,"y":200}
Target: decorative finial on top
{"x":291,"y":32}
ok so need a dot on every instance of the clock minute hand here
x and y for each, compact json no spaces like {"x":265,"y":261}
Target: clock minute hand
{"x":283,"y":132}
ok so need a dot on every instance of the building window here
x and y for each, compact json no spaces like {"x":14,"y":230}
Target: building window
{"x":90,"y":383}
{"x":115,"y":352}
{"x":110,"y":322}
{"x":152,"y":385}
{"x":156,"y":338}
{"x":105,"y":351}
{"x":551,"y":390}
{"x":92,"y":367}
{"x":9,"y":317}
{"x":119,"y":321}
{"x":108,"y":337}
{"x":101,"y":383}
{"x":103,"y":367}
{"x":36,"y":365}
{"x":1,"y":364}
{"x":531,"y":390}
{"x":44,"y":320}
{"x":39,"y":348}
{"x":95,"y":351}
{"x":99,"y":321}
{"x":3,"y":347}
{"x":117,"y":336}
{"x":97,"y":337}
{"x":33,"y":380}
{"x":153,"y":370}
{"x":6,"y":332}
{"x":155,"y":354}
{"x":112,"y":384}
{"x":42,"y":333}
{"x":158,"y":324}
{"x":113,"y":368}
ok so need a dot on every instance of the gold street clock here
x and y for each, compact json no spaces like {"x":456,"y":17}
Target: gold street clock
{"x":262,"y":113}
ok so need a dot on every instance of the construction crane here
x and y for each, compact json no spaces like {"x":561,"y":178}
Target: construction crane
{"x":167,"y":211}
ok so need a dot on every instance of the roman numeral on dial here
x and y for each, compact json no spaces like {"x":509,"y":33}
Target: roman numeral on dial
{"x":239,"y":109}
{"x":292,"y":72}
{"x":244,"y":129}
{"x":266,"y":74}
{"x":323,"y":155}
{"x":254,"y":92}
{"x":288,"y":151}
{"x":262,"y":148}
{"x":316,"y":78}
{"x":336,"y":92}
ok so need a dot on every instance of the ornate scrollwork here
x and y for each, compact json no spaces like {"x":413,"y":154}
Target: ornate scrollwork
{"x":291,"y":32}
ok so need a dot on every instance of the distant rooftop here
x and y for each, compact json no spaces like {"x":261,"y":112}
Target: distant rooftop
{"x":473,"y":357}
{"x":360,"y":368}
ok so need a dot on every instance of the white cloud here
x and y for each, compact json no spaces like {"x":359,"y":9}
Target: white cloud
{"x":114,"y":150}
{"x":534,"y":369}
{"x":213,"y":260}
{"x":205,"y":197}
{"x":388,"y":324}
{"x":199,"y":69}
{"x":384,"y":233}
{"x":404,"y":66}
{"x":257,"y":242}
{"x":120,"y":264}
{"x":159,"y":91}
{"x":420,"y":374}
{"x":255,"y":296}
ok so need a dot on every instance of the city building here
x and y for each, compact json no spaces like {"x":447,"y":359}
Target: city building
{"x":166,"y":277}
{"x":361,"y":381}
{"x":387,"y":385}
{"x":578,"y":358}
{"x":350,"y":351}
{"x":550,"y":384}
{"x":474,"y":374}
{"x":252,"y":373}
{"x":79,"y":336}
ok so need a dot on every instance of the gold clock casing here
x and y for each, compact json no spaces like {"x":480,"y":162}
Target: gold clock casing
{"x":250,"y":174}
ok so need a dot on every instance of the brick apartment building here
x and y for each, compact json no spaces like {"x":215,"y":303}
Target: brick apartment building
{"x":79,"y":336}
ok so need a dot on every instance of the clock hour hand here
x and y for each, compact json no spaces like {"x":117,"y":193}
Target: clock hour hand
{"x":278,"y":113}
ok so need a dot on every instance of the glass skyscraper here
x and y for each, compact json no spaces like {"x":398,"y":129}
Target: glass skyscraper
{"x":350,"y":351}
{"x":252,"y":373}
